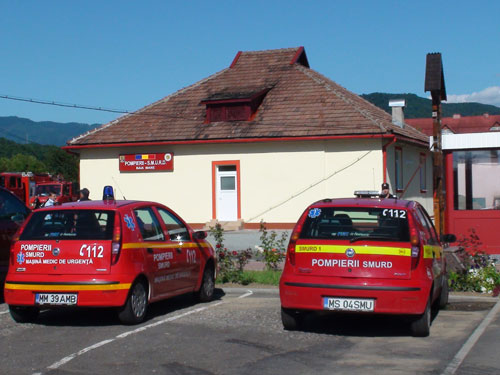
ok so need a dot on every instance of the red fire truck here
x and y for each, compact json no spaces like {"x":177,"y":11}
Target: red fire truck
{"x":22,"y":184}
{"x":35,"y":188}
{"x":64,"y":191}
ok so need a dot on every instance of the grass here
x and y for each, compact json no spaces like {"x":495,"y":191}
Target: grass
{"x":264,"y":277}
{"x":259,"y":277}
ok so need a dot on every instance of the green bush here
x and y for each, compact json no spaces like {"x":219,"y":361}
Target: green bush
{"x":272,"y":248}
{"x":230,"y":264}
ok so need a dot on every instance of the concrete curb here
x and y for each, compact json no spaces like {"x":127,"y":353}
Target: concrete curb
{"x":461,"y":298}
{"x":233,"y":290}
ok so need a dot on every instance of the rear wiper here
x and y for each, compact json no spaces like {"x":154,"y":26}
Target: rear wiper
{"x":368,"y":238}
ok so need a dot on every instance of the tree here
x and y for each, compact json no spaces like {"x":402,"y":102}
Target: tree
{"x":23,"y":163}
{"x":60,"y":162}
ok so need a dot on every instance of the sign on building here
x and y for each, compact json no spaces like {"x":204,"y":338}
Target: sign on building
{"x":147,"y":162}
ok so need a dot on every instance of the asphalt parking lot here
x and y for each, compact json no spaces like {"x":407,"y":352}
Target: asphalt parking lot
{"x":240,"y":333}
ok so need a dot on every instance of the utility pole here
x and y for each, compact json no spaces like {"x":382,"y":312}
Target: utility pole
{"x":434,"y":82}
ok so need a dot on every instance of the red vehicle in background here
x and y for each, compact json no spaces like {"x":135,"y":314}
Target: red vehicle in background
{"x":65,"y":192}
{"x":23,"y":184}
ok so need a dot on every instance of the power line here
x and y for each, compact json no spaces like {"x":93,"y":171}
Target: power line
{"x":304,"y":127}
{"x":58,"y":104}
{"x":92,"y":108}
{"x":311,"y":186}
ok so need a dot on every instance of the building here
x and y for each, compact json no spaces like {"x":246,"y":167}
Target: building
{"x":471,"y":147}
{"x":259,"y":140}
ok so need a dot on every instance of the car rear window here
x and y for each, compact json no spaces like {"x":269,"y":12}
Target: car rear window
{"x":356,"y":223}
{"x":70,"y":225}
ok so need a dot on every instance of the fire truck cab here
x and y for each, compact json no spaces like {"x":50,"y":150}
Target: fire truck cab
{"x":65,"y":192}
{"x":23,"y":184}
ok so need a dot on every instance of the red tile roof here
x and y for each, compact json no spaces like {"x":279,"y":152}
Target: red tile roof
{"x":458,"y":124}
{"x":300,"y":103}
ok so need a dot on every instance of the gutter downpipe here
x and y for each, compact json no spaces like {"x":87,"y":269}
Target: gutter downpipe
{"x":384,"y":156}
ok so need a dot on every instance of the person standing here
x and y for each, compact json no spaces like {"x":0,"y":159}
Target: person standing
{"x":385,"y":193}
{"x":51,"y":201}
{"x":84,"y":195}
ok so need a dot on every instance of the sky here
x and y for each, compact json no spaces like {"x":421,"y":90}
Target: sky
{"x":127,"y":54}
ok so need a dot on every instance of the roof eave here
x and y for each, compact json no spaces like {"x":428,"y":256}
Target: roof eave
{"x":230,"y":140}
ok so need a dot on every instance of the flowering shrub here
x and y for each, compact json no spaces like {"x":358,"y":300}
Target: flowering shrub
{"x":272,"y":248}
{"x":230,"y":264}
{"x":480,"y":273}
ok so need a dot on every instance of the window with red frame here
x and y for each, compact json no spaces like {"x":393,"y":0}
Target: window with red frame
{"x":398,"y":161}
{"x":233,"y":107}
{"x":228,"y":112}
{"x":423,"y":173}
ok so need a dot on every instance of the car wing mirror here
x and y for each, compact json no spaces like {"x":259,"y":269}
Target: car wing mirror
{"x":18,"y":218}
{"x":200,"y":235}
{"x":448,"y":238}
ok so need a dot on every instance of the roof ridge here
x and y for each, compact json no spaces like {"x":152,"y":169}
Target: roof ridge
{"x":326,"y":82}
{"x":273,"y":50}
{"x":162,"y":100}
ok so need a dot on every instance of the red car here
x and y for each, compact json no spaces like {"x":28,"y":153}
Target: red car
{"x":12,"y":214}
{"x":364,"y":255}
{"x":106,"y":253}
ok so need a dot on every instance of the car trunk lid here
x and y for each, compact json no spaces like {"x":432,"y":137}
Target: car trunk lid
{"x":65,"y":242}
{"x":343,"y":259}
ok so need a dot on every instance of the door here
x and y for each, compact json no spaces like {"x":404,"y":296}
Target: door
{"x":163,"y":257}
{"x":189,"y":253}
{"x":227,"y":193}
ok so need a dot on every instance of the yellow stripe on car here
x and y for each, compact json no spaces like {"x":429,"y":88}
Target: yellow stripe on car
{"x":65,"y":287}
{"x":341,"y":249}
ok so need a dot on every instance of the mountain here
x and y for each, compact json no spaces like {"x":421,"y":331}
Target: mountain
{"x":417,"y":107}
{"x":23,"y":130}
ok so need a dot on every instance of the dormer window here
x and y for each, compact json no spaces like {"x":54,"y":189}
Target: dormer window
{"x":226,"y":106}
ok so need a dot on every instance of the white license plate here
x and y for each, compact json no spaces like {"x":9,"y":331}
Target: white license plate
{"x":348,"y":304}
{"x":56,"y":298}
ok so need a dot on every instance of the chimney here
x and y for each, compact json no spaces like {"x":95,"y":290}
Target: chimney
{"x":398,"y":115}
{"x":486,"y":115}
{"x":457,"y":116}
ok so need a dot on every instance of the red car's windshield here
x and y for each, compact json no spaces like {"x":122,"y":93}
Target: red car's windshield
{"x":46,"y":190}
{"x":356,"y":223}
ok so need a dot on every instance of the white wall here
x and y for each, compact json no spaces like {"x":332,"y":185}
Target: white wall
{"x":278,"y":179}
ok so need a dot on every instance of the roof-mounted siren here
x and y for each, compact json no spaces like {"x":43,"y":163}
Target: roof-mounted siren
{"x":366,"y":194}
{"x":398,"y":111}
{"x":108,"y":193}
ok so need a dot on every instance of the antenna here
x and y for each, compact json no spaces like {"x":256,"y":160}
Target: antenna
{"x":118,"y":187}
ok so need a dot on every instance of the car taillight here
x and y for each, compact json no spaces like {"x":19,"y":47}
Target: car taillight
{"x":16,"y":238}
{"x":291,"y":245}
{"x":116,"y":244}
{"x":415,"y":248}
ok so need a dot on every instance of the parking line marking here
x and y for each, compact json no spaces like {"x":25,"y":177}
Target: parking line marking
{"x":248,"y":293}
{"x":4,"y":312}
{"x":72,"y":356}
{"x":471,"y":341}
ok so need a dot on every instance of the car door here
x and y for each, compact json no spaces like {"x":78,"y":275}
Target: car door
{"x":190,"y":253}
{"x":162,"y":258}
{"x":12,"y":213}
{"x":432,"y":248}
